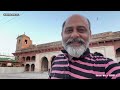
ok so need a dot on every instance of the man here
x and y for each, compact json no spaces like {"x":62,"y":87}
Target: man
{"x":77,"y":62}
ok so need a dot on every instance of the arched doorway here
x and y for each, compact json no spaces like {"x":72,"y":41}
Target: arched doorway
{"x":28,"y":58}
{"x":4,"y":65}
{"x":23,"y":59}
{"x":22,"y":65}
{"x":44,"y":64}
{"x":32,"y":67}
{"x":118,"y":54}
{"x":27,"y":67}
{"x":33,"y":58}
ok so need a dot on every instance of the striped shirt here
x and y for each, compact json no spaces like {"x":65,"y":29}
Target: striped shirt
{"x":88,"y":66}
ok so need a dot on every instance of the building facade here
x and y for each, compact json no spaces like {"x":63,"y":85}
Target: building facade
{"x":38,"y":58}
{"x":9,"y":61}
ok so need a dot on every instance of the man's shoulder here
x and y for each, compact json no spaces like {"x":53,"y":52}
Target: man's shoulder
{"x":62,"y":54}
{"x":100,"y":57}
{"x":59,"y":56}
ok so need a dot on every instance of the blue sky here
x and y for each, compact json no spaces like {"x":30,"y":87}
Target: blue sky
{"x":45,"y":26}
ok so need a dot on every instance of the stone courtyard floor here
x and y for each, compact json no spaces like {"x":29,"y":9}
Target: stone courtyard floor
{"x":25,"y":75}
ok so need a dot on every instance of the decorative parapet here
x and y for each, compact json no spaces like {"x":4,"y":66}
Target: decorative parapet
{"x":105,"y":36}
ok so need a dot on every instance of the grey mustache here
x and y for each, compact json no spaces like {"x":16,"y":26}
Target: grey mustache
{"x":75,"y":40}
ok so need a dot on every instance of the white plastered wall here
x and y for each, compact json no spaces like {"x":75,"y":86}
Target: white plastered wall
{"x":48,"y":55}
{"x":107,"y":51}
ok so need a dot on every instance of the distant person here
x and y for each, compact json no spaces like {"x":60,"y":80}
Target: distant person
{"x":76,"y":61}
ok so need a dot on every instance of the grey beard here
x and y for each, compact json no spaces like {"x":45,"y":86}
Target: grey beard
{"x":75,"y":51}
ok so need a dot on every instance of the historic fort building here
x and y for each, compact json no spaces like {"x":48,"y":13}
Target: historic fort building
{"x":38,"y":58}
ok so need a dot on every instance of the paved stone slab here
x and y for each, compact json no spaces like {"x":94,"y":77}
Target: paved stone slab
{"x":25,"y":75}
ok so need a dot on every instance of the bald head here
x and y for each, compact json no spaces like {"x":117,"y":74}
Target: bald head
{"x":78,"y":18}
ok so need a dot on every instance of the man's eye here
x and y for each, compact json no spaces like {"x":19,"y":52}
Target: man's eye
{"x":81,"y":30}
{"x":68,"y":31}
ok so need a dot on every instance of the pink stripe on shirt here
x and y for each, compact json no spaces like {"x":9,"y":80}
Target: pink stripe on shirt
{"x":87,"y":71}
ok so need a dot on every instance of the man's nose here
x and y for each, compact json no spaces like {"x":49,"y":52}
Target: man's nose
{"x":74,"y":34}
